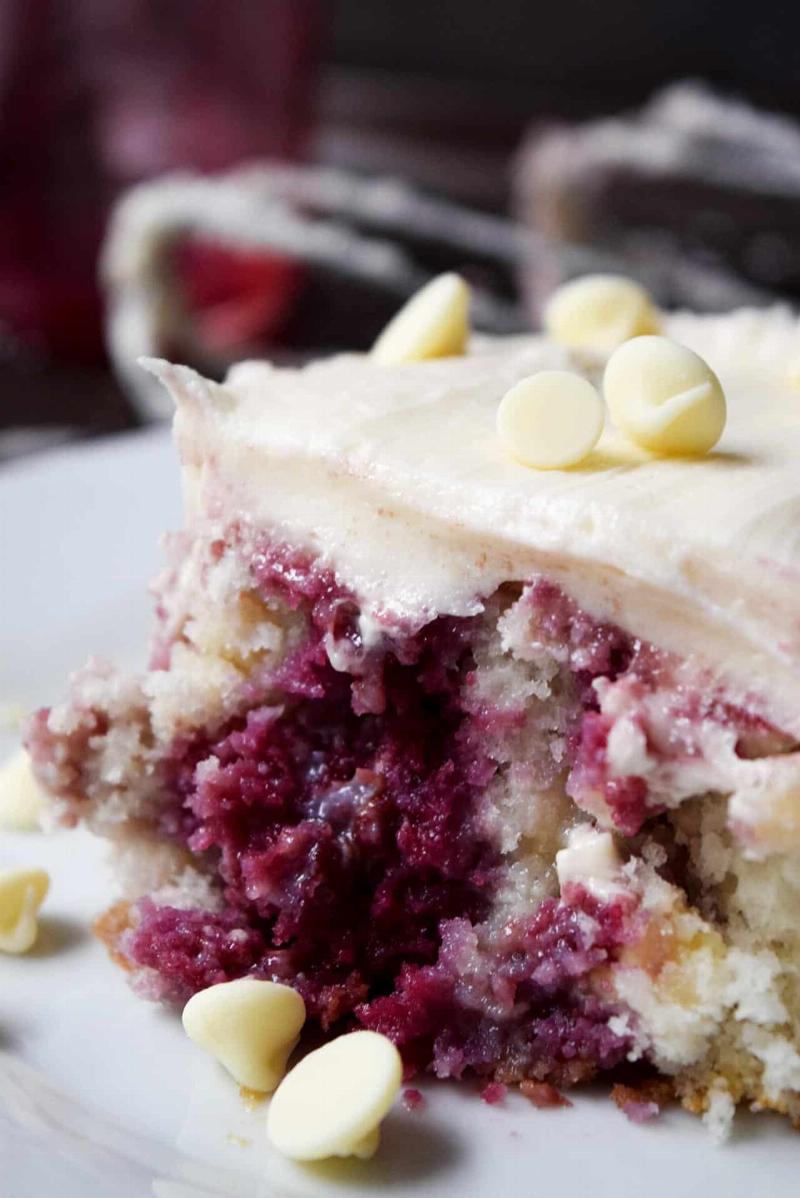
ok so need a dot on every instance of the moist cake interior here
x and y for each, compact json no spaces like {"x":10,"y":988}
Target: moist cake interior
{"x":378,"y":826}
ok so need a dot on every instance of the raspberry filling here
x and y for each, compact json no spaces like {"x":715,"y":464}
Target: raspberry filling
{"x":344,"y":826}
{"x":348,"y":820}
{"x":342,"y":840}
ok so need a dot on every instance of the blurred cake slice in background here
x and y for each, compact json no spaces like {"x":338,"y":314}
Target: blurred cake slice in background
{"x":692,"y":177}
{"x":284,"y":260}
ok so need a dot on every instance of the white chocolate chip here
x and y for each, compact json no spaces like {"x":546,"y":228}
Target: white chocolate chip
{"x":599,"y":312}
{"x":551,"y":419}
{"x":664,"y":396}
{"x":590,"y":859}
{"x":20,"y":796}
{"x":249,"y":1025}
{"x":332,"y":1103}
{"x":434,"y":323}
{"x":22,"y":892}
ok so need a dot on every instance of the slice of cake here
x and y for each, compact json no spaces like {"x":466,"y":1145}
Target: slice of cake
{"x":696,"y":189}
{"x":498,"y":761}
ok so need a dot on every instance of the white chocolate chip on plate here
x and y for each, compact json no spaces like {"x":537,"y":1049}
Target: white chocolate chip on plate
{"x":22,"y":892}
{"x":333,"y":1101}
{"x":249,"y":1025}
{"x":20,"y":797}
{"x":551,"y":419}
{"x":664,"y":396}
{"x":434,"y":323}
{"x":599,"y":312}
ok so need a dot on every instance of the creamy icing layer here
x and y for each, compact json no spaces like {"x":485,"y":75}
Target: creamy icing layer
{"x":395,"y":477}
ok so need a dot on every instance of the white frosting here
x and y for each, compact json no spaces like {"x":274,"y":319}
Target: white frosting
{"x":396,"y":476}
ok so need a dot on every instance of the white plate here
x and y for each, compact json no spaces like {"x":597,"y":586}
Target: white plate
{"x":101,"y":1095}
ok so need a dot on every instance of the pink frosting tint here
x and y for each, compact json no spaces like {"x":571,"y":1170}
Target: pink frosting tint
{"x":598,"y":650}
{"x":627,"y":798}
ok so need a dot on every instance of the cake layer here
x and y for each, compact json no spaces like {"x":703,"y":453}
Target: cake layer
{"x":394,"y":476}
{"x":402,"y":830}
{"x":499,"y":762}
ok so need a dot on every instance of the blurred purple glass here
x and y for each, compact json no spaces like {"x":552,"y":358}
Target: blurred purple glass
{"x":97,"y":94}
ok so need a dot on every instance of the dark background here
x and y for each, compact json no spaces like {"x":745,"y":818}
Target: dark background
{"x":469,"y":76}
{"x":439,"y":93}
{"x":614,"y":51}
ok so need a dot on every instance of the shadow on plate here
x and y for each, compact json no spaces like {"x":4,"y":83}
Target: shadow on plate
{"x":413,"y":1147}
{"x":57,"y":935}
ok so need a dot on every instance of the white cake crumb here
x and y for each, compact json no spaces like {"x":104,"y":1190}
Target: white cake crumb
{"x":718,"y":1116}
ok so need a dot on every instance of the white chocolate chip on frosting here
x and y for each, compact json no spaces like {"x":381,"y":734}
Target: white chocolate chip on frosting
{"x":249,"y":1025}
{"x":551,"y":419}
{"x":22,"y":892}
{"x":599,"y":312}
{"x":20,"y":796}
{"x":332,"y":1103}
{"x":664,"y":396}
{"x":434,"y":323}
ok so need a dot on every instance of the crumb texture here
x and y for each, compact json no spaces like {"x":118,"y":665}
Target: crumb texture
{"x":307,"y":790}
